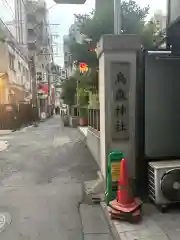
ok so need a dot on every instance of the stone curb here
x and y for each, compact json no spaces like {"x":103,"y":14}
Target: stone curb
{"x":111,"y":224}
{"x":5,"y":132}
{"x":146,"y":230}
{"x":83,"y":135}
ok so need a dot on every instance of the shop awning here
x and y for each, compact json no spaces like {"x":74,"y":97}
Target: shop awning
{"x":43,"y":87}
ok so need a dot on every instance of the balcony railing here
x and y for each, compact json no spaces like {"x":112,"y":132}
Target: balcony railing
{"x":94,"y":119}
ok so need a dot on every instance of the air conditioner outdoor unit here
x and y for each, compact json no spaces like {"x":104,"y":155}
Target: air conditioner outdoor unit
{"x":164,"y":182}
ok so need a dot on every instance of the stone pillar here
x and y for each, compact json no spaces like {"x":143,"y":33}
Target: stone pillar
{"x":117,"y":94}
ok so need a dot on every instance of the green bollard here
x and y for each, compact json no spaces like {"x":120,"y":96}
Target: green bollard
{"x":113,"y":172}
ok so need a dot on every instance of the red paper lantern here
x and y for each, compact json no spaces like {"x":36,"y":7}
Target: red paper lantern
{"x":83,"y":67}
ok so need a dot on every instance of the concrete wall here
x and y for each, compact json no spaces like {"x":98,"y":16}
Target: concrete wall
{"x":118,"y":50}
{"x":93,"y":143}
{"x":124,"y":146}
{"x":73,"y":121}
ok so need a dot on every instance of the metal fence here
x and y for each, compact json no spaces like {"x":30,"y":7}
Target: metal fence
{"x":94,"y":118}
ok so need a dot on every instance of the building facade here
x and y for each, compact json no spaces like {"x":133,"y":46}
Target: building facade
{"x":12,"y":27}
{"x":38,"y":37}
{"x":40,"y":49}
{"x":68,"y":63}
{"x":160,"y":19}
{"x":15,"y":78}
{"x":74,"y":35}
{"x":21,"y":23}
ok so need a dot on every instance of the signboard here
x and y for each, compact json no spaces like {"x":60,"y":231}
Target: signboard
{"x":115,"y":171}
{"x":120,"y":102}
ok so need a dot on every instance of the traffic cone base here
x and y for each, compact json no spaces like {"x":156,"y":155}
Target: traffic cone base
{"x":126,"y":208}
{"x":116,"y":212}
{"x":133,"y":217}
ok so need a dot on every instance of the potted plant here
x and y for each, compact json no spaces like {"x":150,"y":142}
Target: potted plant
{"x":83,"y":116}
{"x":83,"y":99}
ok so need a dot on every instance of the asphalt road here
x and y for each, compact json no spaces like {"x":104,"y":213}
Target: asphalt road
{"x":41,"y":184}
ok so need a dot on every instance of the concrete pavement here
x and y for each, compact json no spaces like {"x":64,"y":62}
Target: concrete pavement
{"x":41,"y":186}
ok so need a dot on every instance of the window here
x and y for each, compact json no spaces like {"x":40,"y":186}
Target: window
{"x":19,"y":66}
{"x":24,"y":71}
{"x":11,"y":61}
{"x":30,"y":32}
{"x":39,"y":76}
{"x":27,"y":76}
{"x":66,"y":64}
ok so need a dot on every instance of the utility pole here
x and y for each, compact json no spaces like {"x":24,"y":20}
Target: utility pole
{"x":34,"y":85}
{"x":49,"y":88}
{"x":35,"y":107}
{"x":117,"y":17}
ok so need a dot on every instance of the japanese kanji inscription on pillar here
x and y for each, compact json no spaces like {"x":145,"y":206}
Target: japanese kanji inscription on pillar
{"x":120,"y":102}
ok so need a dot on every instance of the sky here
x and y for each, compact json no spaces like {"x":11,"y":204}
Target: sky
{"x":64,"y":16}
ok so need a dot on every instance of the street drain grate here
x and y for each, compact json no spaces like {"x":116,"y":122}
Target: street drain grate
{"x":4,"y":219}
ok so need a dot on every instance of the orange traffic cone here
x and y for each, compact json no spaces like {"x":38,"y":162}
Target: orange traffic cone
{"x":125,"y":207}
{"x":123,"y":194}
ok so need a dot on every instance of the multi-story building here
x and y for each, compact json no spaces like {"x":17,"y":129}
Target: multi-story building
{"x":160,"y":19}
{"x":66,"y":50}
{"x":15,"y":79}
{"x":40,"y":48}
{"x":12,"y":27}
{"x":21,"y":23}
{"x":68,"y":64}
{"x":38,"y":37}
{"x":74,"y":35}
{"x":58,"y":73}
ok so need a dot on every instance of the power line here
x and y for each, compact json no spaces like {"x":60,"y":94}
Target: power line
{"x":24,"y":5}
{"x":5,"y":3}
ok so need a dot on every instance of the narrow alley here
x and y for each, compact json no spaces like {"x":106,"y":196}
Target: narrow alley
{"x":41,"y":186}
